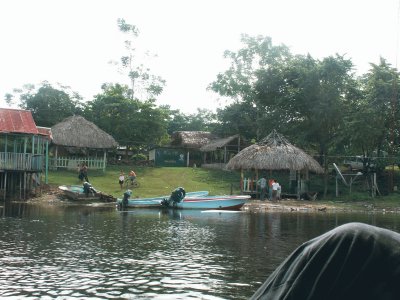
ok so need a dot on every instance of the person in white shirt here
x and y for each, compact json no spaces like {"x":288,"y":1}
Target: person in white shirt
{"x":121,"y":179}
{"x":278,"y":192}
{"x":275,"y":186}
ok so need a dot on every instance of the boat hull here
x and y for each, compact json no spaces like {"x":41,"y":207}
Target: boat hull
{"x":234,"y":202}
{"x":155,"y":201}
{"x":76,"y":193}
{"x":213,"y":202}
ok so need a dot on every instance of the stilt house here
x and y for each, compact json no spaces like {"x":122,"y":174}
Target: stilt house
{"x":23,"y":153}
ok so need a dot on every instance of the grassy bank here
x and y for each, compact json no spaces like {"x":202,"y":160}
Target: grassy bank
{"x":161,"y":181}
{"x":155,"y":181}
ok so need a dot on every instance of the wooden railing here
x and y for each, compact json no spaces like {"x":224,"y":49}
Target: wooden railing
{"x":72,"y":163}
{"x":21,"y":161}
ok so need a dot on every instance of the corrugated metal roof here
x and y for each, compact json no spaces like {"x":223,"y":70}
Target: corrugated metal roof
{"x":219,"y":143}
{"x":45,"y":131}
{"x":17,"y":121}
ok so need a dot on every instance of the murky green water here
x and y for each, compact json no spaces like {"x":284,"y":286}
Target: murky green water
{"x":94,"y":252}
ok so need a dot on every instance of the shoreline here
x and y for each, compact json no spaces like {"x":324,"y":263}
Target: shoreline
{"x":52,"y":195}
{"x":290,"y":205}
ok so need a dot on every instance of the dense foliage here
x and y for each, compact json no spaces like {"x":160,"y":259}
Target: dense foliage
{"x":318,"y":104}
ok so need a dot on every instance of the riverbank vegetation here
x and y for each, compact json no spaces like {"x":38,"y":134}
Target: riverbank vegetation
{"x":320,"y":105}
{"x":161,"y":181}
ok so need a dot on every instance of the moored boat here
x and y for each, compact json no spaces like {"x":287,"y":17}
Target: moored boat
{"x":179,"y":199}
{"x":84,"y":193}
{"x":154,"y":201}
{"x":226,"y":202}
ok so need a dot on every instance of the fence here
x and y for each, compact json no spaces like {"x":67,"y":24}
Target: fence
{"x":72,"y":163}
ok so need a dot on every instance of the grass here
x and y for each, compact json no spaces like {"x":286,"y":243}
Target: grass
{"x":155,"y":181}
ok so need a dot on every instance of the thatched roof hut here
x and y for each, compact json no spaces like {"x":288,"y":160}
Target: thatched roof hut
{"x":274,"y":152}
{"x":82,"y":139}
{"x":191,"y":139}
{"x":76,"y":131}
{"x":218,"y":143}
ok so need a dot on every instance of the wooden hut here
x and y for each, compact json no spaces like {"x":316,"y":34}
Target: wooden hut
{"x":274,"y":152}
{"x":218,"y":152}
{"x":191,"y":142}
{"x":77,"y":141}
{"x":23,"y":153}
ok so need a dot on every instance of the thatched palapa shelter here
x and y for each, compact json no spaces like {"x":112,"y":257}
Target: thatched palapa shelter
{"x":191,"y":139}
{"x":75,"y":134}
{"x":220,"y":151}
{"x":274,"y":152}
{"x":191,"y":142}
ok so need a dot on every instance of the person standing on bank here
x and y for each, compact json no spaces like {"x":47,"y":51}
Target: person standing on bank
{"x":132,"y":176}
{"x":121,"y":179}
{"x":262,"y":182}
{"x":275,"y":186}
{"x":85,"y":172}
{"x":279,"y":191}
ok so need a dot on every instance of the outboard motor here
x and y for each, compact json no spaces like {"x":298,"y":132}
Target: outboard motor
{"x":87,"y":188}
{"x":177,"y":196}
{"x":126,"y":197}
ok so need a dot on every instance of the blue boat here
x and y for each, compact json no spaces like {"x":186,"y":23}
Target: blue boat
{"x":179,"y":199}
{"x":226,"y":202}
{"x":154,"y":201}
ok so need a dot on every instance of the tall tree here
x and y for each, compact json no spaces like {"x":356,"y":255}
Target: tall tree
{"x":132,"y":123}
{"x":239,"y":81}
{"x":373,"y":125}
{"x":143,"y":84}
{"x":237,"y":118}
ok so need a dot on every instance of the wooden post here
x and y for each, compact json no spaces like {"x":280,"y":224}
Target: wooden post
{"x":241,"y":181}
{"x":225,"y":155}
{"x":298,"y":184}
{"x":46,"y":178}
{"x":337,"y":186}
{"x":56,"y":157}
{"x":257,"y":192}
{"x":5,"y":186}
{"x":104,"y":160}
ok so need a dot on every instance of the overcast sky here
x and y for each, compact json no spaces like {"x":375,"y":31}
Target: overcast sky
{"x":72,"y":41}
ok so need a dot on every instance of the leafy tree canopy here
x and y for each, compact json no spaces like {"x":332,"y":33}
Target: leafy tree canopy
{"x":48,"y":105}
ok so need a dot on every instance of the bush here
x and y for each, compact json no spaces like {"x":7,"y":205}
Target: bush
{"x":138,"y":157}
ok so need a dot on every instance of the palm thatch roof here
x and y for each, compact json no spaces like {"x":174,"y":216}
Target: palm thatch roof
{"x":218,"y":143}
{"x":76,"y":131}
{"x":191,"y":139}
{"x":274,"y":152}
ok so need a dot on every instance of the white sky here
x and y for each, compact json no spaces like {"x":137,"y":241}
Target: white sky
{"x":72,"y":41}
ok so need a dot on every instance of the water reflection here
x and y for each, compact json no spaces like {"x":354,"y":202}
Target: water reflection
{"x":88,"y":251}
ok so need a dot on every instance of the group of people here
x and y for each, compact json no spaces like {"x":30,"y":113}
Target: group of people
{"x":121,"y":178}
{"x":273,"y":188}
{"x":83,"y":175}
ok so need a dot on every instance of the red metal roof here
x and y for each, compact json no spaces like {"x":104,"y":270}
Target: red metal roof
{"x":45,"y":131}
{"x":17,"y":121}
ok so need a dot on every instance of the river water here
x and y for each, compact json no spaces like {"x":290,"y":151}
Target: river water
{"x":97,"y":252}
